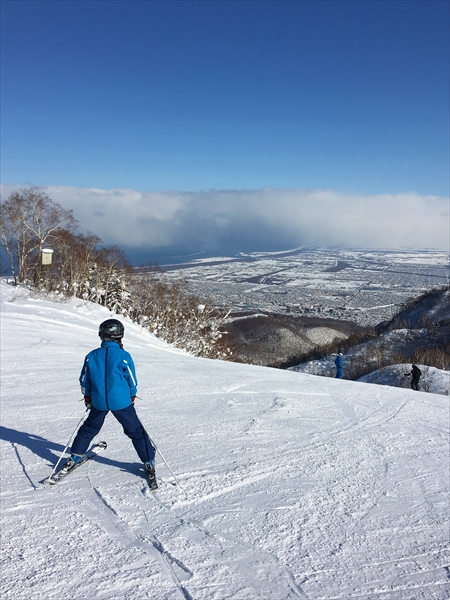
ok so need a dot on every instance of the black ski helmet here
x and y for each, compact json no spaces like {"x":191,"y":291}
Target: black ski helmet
{"x":112,"y":329}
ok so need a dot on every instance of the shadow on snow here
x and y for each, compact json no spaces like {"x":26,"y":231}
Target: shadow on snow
{"x":51,"y":451}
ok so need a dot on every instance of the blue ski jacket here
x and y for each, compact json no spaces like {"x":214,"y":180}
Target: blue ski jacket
{"x":108,"y":377}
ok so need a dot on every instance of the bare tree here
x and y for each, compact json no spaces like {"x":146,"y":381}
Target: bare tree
{"x":29,"y":220}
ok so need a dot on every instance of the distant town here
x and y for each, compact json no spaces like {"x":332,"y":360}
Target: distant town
{"x":362,"y":286}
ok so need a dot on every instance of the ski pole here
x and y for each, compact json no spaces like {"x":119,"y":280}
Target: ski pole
{"x":160,"y":453}
{"x":165,"y":461}
{"x":68,"y":443}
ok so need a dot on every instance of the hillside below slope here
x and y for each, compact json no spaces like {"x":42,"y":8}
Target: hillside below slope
{"x":272,"y":339}
{"x":420,"y":333}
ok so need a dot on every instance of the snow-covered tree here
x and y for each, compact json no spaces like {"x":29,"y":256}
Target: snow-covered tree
{"x":177,"y":317}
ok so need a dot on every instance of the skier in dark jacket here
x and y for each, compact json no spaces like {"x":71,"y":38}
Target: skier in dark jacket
{"x":108,"y":383}
{"x":339,"y":362}
{"x":415,"y":376}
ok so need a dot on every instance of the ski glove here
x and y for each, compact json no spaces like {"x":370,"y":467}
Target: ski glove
{"x":133,"y":399}
{"x":87,"y":402}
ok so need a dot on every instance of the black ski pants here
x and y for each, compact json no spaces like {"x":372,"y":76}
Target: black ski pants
{"x":132,"y":427}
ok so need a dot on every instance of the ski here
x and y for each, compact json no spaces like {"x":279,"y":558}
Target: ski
{"x":62,"y":473}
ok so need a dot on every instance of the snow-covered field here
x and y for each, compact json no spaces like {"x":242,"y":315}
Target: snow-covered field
{"x":292,"y":485}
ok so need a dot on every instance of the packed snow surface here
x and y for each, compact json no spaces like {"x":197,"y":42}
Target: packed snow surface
{"x":289,"y":485}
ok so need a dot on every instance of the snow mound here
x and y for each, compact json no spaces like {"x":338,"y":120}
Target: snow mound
{"x":323,"y":367}
{"x":432,"y":380}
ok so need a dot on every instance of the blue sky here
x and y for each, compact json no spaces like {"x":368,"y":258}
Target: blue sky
{"x":352,"y":96}
{"x":188,"y":96}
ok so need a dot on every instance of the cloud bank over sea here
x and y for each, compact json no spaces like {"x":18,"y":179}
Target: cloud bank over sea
{"x":224,"y":221}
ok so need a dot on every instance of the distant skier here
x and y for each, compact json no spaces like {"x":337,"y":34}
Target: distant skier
{"x":415,"y":376}
{"x":339,"y":362}
{"x":108,"y":383}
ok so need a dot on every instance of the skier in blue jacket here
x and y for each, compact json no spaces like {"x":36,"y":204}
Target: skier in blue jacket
{"x":108,"y":383}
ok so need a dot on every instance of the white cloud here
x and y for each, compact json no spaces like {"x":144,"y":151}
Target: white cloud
{"x":262,"y":219}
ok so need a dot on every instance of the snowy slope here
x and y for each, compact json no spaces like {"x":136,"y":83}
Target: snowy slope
{"x":293,"y":486}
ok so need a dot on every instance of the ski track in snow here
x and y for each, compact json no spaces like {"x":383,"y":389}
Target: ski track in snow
{"x":291,"y":486}
{"x":243,"y":561}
